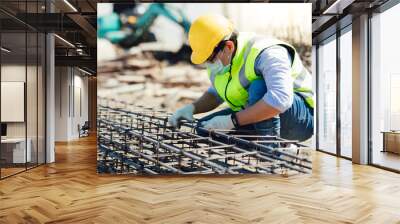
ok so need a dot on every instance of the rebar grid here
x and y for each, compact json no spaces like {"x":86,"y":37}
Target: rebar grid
{"x":138,"y":140}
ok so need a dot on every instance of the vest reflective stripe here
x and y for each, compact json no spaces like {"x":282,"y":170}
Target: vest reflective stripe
{"x":232,"y":88}
{"x":244,"y":81}
{"x":301,"y":85}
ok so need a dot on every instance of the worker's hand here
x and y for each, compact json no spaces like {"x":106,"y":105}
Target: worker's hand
{"x":219,"y":122}
{"x":185,"y":112}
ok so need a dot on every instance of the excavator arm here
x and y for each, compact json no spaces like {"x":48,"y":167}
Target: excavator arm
{"x":138,"y":32}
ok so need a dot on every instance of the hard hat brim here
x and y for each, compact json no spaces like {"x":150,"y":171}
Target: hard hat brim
{"x":198,"y":58}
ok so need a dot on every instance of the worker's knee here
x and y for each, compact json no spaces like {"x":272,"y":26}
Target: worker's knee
{"x":269,"y":127}
{"x":298,"y":121}
{"x":297,"y":133}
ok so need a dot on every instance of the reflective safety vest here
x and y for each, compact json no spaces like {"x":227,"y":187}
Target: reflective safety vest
{"x":232,"y":86}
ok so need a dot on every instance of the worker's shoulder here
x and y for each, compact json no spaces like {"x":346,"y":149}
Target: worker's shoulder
{"x":271,"y":56}
{"x":275,"y":51}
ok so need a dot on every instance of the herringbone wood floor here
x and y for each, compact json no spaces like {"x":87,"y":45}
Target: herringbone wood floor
{"x":70,"y":191}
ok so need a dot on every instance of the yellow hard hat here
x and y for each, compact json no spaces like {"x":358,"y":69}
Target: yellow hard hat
{"x":205,"y":34}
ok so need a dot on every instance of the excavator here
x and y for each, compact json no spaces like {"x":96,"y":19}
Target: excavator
{"x":131,"y":26}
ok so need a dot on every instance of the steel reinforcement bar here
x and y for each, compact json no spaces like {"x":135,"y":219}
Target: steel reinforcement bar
{"x":139,"y":140}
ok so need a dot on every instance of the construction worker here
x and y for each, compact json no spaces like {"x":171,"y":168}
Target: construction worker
{"x":263,"y":81}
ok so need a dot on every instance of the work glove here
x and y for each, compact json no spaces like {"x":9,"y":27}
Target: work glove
{"x":219,"y":122}
{"x":185,"y":112}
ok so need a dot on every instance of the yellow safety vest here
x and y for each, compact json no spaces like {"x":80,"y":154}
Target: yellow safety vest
{"x":232,"y":87}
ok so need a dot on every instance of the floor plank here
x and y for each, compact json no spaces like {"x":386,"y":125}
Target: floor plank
{"x":386,"y":159}
{"x":70,"y":191}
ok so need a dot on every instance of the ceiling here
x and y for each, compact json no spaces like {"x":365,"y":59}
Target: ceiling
{"x":75,"y":21}
{"x":331,"y":15}
{"x":76,"y":25}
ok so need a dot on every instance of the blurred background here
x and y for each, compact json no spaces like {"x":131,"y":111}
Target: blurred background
{"x":144,"y":58}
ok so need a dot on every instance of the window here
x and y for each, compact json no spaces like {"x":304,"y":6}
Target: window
{"x":327,"y":95}
{"x":22,"y":75}
{"x":385,"y":85}
{"x":314,"y":88}
{"x":346,"y":92}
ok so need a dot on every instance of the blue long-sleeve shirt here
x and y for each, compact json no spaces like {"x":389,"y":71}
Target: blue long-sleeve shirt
{"x":273,"y":64}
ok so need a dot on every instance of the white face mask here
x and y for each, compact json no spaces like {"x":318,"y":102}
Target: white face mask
{"x":217,"y":67}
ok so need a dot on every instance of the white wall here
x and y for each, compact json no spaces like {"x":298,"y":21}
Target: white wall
{"x":80,"y":109}
{"x":33,"y":126}
{"x":14,"y":72}
{"x":62,"y":81}
{"x":70,"y":84}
